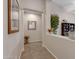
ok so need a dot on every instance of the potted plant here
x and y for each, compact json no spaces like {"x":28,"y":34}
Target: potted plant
{"x":54,"y":23}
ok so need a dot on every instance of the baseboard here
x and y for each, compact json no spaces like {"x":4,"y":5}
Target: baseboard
{"x":21,"y":53}
{"x":50,"y":52}
{"x":34,"y":41}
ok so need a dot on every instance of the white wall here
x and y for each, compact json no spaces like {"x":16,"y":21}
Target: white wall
{"x":13,"y":43}
{"x":33,"y":4}
{"x":34,"y":35}
{"x":62,"y":48}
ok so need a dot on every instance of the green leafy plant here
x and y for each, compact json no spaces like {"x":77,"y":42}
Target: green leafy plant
{"x":54,"y":22}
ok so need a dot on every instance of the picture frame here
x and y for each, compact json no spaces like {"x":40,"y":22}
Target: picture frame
{"x":72,"y":27}
{"x":13,"y":16}
{"x":31,"y":25}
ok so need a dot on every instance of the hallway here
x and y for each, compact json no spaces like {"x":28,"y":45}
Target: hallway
{"x":49,"y":26}
{"x":35,"y":51}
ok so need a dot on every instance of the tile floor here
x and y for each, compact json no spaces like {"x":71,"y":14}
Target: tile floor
{"x":35,"y":51}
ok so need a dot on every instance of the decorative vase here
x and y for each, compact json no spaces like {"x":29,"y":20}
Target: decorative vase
{"x":49,"y":30}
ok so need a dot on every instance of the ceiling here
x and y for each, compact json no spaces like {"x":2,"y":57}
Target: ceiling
{"x":67,"y":5}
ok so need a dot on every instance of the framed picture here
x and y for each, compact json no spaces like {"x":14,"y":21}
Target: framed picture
{"x":72,"y":27}
{"x":13,"y":16}
{"x":31,"y":25}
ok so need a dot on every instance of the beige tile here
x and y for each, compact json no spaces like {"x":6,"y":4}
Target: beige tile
{"x":35,"y":51}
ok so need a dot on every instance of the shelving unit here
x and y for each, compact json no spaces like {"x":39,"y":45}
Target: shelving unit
{"x":66,"y":28}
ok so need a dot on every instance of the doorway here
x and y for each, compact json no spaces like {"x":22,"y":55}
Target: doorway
{"x":32,"y":26}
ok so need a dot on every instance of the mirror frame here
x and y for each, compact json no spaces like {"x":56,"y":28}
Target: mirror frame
{"x":9,"y":17}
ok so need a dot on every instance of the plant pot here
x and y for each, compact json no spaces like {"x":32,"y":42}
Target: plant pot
{"x":49,"y":30}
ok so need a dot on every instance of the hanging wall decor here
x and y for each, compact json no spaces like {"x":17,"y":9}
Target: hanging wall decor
{"x":31,"y":25}
{"x":13,"y":16}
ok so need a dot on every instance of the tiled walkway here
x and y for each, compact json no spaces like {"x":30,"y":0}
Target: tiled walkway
{"x":36,"y":51}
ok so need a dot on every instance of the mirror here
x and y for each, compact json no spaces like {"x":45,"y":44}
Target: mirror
{"x":13,"y":16}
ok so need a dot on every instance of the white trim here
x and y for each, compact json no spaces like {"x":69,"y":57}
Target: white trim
{"x":21,"y":53}
{"x":34,"y":41}
{"x":50,"y":52}
{"x":27,"y":9}
{"x":58,"y":36}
